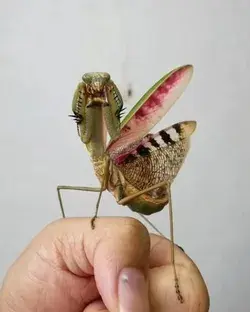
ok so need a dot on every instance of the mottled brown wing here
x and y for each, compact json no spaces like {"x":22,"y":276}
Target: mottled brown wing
{"x":159,"y":157}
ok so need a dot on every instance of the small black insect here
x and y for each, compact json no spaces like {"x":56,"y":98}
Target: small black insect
{"x":130,"y":92}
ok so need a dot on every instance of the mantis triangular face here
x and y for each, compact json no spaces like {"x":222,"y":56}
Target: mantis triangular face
{"x":150,"y":109}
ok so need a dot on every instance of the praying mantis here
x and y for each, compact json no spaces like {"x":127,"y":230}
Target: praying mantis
{"x":137,"y":167}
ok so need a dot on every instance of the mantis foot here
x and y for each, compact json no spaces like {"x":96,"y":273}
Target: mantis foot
{"x":93,"y":222}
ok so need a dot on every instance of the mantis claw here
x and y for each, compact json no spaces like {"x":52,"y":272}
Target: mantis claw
{"x":93,"y":222}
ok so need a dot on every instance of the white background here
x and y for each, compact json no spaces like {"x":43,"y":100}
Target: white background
{"x":46,"y":46}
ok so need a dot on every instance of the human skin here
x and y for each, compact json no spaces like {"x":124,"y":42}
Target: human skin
{"x":119,"y":266}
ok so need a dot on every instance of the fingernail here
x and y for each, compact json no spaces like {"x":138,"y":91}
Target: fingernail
{"x":132,"y":291}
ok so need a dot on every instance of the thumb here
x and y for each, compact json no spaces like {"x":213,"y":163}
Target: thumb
{"x":119,"y":253}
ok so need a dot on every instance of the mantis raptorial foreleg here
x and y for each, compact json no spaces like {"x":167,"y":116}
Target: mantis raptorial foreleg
{"x":73,"y":188}
{"x":129,"y":198}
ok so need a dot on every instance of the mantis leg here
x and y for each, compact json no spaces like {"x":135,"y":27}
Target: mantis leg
{"x":74,"y":188}
{"x":103,"y":188}
{"x":128,"y":198}
{"x":87,"y":189}
{"x":155,"y":228}
{"x":170,"y":209}
{"x":151,"y":224}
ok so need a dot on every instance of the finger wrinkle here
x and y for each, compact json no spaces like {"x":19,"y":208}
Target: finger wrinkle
{"x":72,"y":256}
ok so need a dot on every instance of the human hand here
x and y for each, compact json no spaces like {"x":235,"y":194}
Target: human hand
{"x":118,"y":266}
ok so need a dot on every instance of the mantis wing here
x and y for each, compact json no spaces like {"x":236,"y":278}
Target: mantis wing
{"x":158,"y":158}
{"x":150,"y":109}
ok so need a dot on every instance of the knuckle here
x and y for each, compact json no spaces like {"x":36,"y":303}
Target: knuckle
{"x":134,"y":228}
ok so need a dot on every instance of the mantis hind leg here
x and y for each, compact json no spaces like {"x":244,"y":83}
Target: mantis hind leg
{"x":79,"y":188}
{"x":151,"y":224}
{"x":125,"y":200}
{"x":177,"y":286}
{"x":155,"y":228}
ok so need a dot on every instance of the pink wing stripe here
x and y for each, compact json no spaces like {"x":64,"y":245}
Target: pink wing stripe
{"x":154,"y":108}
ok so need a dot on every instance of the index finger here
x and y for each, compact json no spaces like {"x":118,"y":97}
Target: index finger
{"x":162,"y":291}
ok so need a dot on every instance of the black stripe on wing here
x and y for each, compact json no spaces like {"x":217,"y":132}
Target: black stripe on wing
{"x":154,"y":143}
{"x":166,"y":137}
{"x":142,"y":150}
{"x":162,"y":139}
